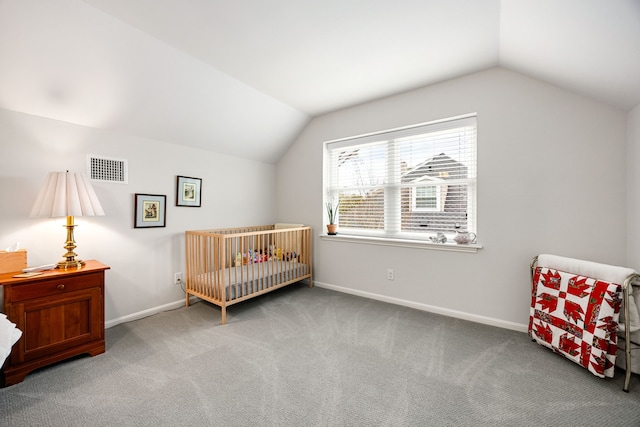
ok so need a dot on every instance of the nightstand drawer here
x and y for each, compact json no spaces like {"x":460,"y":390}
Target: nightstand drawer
{"x":55,"y":286}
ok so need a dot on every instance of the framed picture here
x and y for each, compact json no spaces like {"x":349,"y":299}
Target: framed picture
{"x":150,"y":210}
{"x":188,"y":192}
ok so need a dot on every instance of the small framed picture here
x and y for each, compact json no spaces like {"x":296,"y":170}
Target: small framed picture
{"x":188,"y":191}
{"x":150,"y":210}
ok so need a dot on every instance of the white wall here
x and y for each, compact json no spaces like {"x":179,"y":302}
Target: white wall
{"x":235,"y":192}
{"x":552,"y":179}
{"x":633,"y":189}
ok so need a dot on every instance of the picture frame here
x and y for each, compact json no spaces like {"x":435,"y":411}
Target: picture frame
{"x":188,"y":191}
{"x":150,"y":210}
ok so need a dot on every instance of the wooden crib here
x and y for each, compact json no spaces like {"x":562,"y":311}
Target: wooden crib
{"x":231,"y":265}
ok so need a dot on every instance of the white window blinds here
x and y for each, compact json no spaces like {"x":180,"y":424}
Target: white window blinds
{"x":407,"y":183}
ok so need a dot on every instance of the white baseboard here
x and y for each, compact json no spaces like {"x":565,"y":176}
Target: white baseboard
{"x":412,"y":304}
{"x":146,"y":313}
{"x":430,"y":308}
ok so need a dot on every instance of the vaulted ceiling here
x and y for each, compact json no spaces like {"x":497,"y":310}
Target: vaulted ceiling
{"x":243,"y":77}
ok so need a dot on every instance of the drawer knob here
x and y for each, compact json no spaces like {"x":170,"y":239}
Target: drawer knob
{"x":60,"y":287}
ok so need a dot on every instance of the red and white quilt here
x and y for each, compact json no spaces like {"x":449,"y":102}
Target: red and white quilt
{"x":577,"y":317}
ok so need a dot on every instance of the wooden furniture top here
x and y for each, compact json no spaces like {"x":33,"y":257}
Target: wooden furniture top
{"x":89,"y":267}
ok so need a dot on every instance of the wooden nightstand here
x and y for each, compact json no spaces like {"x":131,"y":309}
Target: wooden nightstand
{"x":60,"y":314}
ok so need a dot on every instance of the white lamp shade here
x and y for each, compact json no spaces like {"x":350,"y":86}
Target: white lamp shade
{"x":67,"y":194}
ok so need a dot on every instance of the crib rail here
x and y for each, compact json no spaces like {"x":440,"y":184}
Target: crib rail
{"x":227,"y":266}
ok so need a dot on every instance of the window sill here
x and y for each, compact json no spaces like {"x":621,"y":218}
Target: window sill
{"x":453,"y":247}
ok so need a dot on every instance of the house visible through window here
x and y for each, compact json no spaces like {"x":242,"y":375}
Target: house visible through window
{"x":407,"y":183}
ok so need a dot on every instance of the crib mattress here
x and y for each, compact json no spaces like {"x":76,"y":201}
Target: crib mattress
{"x":247,"y":279}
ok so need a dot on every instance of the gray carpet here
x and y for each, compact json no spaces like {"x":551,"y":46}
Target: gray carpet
{"x":314,"y":357}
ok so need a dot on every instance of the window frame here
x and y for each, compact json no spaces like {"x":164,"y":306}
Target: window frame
{"x":397,"y":237}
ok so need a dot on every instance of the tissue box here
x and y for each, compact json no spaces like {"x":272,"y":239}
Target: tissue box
{"x":13,"y":261}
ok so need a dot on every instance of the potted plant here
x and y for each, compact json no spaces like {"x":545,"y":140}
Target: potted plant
{"x":332,"y":213}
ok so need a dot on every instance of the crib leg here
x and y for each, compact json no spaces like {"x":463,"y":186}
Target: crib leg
{"x":224,"y":314}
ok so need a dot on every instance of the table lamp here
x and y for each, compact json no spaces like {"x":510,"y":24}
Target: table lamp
{"x":67,"y":194}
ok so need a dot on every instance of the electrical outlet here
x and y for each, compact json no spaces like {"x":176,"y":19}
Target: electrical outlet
{"x":389,"y":274}
{"x":178,"y":279}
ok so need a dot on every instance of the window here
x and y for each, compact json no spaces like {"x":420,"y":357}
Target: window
{"x":426,"y":198}
{"x":408,"y":183}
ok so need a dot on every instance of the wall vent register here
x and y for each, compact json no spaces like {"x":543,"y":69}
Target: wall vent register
{"x":107,"y":169}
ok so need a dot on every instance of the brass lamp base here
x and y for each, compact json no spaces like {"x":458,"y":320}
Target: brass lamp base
{"x":65,"y":265}
{"x":70,"y":260}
